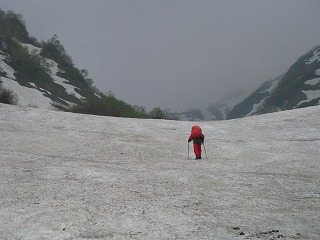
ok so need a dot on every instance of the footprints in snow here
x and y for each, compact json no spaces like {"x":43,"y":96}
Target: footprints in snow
{"x":270,"y":235}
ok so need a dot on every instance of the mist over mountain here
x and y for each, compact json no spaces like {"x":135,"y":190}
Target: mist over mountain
{"x":299,"y":87}
{"x":248,"y":105}
{"x":42,"y":75}
{"x":215,"y":111}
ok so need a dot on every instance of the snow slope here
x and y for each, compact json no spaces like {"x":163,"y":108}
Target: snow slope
{"x":313,"y":94}
{"x":35,"y":97}
{"x":73,"y":176}
{"x":26,"y":96}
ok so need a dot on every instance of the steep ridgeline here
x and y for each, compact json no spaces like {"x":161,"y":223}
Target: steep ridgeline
{"x":298,"y":88}
{"x":254,"y":101}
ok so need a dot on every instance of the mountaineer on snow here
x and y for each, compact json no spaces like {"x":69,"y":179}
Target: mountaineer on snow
{"x":198,"y":138}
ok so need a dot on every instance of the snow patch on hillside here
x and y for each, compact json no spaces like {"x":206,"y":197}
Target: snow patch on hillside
{"x":31,"y":97}
{"x":256,"y":106}
{"x":313,"y":82}
{"x":25,"y":96}
{"x":5,"y":68}
{"x":311,"y":95}
{"x":61,"y":81}
{"x":315,"y":57}
{"x":34,"y":96}
{"x":31,"y":48}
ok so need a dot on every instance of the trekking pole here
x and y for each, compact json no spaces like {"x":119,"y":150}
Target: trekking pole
{"x":188,"y":150}
{"x":204,"y":148}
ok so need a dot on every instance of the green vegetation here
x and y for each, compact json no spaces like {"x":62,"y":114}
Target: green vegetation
{"x":53,"y":49}
{"x":7,"y":96}
{"x":29,"y":67}
{"x":106,"y":106}
{"x":13,"y":26}
{"x":111,"y":106}
{"x":158,"y":113}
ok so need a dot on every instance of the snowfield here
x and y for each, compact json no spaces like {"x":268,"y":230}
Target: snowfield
{"x":73,"y":176}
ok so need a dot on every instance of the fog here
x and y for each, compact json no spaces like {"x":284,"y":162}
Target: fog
{"x":176,"y":54}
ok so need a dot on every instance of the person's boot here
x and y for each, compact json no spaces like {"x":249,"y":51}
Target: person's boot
{"x":198,"y":156}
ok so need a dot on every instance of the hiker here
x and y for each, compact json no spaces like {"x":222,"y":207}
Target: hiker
{"x":198,"y":138}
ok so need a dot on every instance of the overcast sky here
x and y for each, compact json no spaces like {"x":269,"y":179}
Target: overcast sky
{"x":176,"y":54}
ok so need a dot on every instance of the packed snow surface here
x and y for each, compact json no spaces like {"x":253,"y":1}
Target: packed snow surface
{"x":73,"y":176}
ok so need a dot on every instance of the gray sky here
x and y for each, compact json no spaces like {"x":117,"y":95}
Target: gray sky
{"x":176,"y":54}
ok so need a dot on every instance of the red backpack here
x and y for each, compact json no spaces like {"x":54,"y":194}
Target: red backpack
{"x":196,"y":132}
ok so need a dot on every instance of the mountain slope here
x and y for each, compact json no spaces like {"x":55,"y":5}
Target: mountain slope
{"x":40,"y":74}
{"x":43,"y":83}
{"x":299,"y":87}
{"x":74,"y":176}
{"x":251,"y":104}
